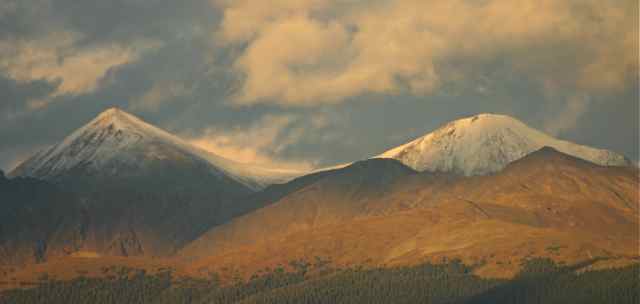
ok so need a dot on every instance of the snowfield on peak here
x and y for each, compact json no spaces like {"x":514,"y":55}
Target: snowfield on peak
{"x":116,"y":140}
{"x":486,"y":143}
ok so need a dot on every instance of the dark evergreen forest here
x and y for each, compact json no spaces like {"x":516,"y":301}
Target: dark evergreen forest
{"x":541,"y":281}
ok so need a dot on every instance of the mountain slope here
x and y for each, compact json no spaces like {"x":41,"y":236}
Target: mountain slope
{"x":118,"y":140}
{"x":34,"y":211}
{"x":144,"y":191}
{"x":328,"y":198}
{"x":546,"y":204}
{"x":486,"y":143}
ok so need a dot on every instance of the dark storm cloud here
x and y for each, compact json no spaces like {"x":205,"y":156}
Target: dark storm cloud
{"x":104,"y":21}
{"x":16,"y":19}
{"x":126,"y":20}
{"x":14,"y":94}
{"x":614,"y":126}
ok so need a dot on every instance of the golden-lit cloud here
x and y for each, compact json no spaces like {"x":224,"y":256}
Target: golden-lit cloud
{"x":305,"y":52}
{"x":55,"y":59}
{"x":255,"y":144}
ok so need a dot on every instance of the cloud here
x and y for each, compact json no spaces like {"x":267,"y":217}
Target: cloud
{"x":257,"y":144}
{"x":55,"y":58}
{"x":308,"y":52}
{"x":160,"y":93}
{"x":15,"y":95}
{"x":567,"y":119}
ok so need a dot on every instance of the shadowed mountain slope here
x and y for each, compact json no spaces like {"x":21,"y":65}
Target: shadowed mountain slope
{"x":33,"y":212}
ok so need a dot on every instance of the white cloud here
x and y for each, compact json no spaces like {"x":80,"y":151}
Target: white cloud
{"x":306,"y":52}
{"x":256,"y":144}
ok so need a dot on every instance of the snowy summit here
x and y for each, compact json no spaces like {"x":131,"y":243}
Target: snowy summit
{"x":486,"y":143}
{"x":116,"y":142}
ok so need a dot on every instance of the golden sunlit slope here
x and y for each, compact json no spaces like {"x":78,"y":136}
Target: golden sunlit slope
{"x":335,"y":198}
{"x":380,"y":212}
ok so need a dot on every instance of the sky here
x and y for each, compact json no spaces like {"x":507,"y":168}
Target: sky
{"x":310,"y":83}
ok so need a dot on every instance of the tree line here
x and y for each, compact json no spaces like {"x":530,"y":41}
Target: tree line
{"x":540,"y":281}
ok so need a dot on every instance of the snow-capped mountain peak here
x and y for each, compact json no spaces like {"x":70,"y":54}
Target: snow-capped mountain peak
{"x":486,"y":143}
{"x":115,"y":140}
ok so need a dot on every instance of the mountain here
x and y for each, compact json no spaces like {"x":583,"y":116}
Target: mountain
{"x":380,"y":212}
{"x":117,"y":143}
{"x":143,"y":191}
{"x":486,"y":143}
{"x":31,"y":213}
{"x":127,"y":188}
